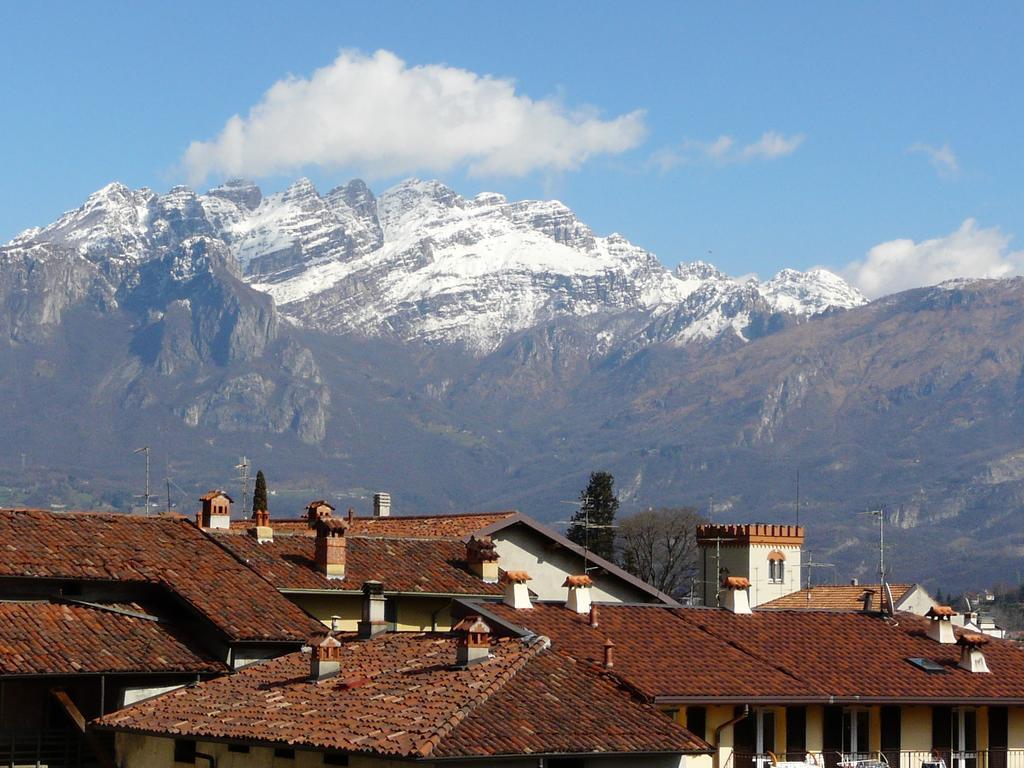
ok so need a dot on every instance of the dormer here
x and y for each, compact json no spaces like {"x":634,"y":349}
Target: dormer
{"x":216,"y":510}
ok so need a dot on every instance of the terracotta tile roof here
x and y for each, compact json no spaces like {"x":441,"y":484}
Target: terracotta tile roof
{"x":49,"y":638}
{"x":858,"y":655}
{"x":168,"y":551}
{"x":457,"y":526}
{"x":401,"y":696}
{"x":430,"y":566}
{"x":775,"y":655}
{"x":655,"y":651}
{"x":840,"y":597}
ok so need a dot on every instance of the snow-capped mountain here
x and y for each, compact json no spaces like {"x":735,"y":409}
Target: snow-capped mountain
{"x":422,"y":263}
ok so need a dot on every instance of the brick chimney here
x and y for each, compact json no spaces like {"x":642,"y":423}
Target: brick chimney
{"x":735,"y":596}
{"x":318,"y":510}
{"x":373,"y":622}
{"x":517,"y":595}
{"x":593,"y":615}
{"x":971,"y":657}
{"x":262,"y":531}
{"x":474,"y":641}
{"x":330,"y":547}
{"x":940,"y":624}
{"x":215,"y":511}
{"x":482,"y":558}
{"x":325,"y":658}
{"x":578,"y":600}
{"x":381,"y":504}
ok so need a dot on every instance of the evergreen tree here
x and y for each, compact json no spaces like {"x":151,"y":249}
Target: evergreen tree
{"x":591,"y":525}
{"x":259,"y":495}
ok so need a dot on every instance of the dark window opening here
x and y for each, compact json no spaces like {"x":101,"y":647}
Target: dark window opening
{"x":284,"y":754}
{"x":697,"y":721}
{"x":335,"y":758}
{"x":184,"y":751}
{"x":240,"y":748}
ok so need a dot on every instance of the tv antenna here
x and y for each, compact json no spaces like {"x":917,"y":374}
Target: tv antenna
{"x":243,"y":476}
{"x":145,"y":450}
{"x":798,"y":495}
{"x":880,"y":514}
{"x":810,"y":565}
{"x":587,"y":525}
{"x":718,"y":567}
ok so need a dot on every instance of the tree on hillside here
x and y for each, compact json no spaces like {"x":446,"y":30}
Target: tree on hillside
{"x":259,"y":494}
{"x":660,"y":547}
{"x":593,"y":523}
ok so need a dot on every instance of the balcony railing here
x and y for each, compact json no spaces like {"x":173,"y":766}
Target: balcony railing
{"x":49,"y":748}
{"x":935,"y":758}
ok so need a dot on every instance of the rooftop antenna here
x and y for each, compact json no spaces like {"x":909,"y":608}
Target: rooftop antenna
{"x":810,"y":565}
{"x":243,"y":476}
{"x":718,"y":567}
{"x":167,"y":480}
{"x":711,"y":508}
{"x":880,"y":514}
{"x":587,"y":525}
{"x":798,"y":495}
{"x":145,"y":449}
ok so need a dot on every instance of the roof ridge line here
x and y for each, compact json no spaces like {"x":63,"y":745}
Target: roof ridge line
{"x":753,"y":654}
{"x":536,"y":645}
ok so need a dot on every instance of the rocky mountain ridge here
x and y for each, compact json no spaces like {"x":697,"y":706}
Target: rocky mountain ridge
{"x":423,"y":264}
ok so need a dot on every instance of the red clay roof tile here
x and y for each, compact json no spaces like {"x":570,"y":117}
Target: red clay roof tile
{"x":49,"y":638}
{"x":169,"y":551}
{"x":401,"y":695}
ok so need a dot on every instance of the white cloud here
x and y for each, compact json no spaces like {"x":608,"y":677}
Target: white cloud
{"x":943,"y":159}
{"x":376,"y":115}
{"x":725,"y":150}
{"x":971,"y":251}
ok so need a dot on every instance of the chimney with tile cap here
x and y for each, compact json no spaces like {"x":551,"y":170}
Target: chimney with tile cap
{"x":940,"y":624}
{"x":318,"y":510}
{"x":381,"y":504}
{"x":735,"y":596}
{"x":216,"y":510}
{"x":262,"y":531}
{"x":473,"y":643}
{"x":517,"y":595}
{"x":331,"y":547}
{"x":482,"y":558}
{"x":373,"y":622}
{"x":578,"y":600}
{"x":971,"y":657}
{"x":325,"y":657}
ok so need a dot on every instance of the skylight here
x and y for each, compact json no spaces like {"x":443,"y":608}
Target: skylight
{"x":927,"y":665}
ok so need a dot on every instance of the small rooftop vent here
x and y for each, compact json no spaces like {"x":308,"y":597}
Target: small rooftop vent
{"x":940,"y":626}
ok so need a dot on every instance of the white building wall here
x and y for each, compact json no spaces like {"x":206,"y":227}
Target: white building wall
{"x":523,"y":549}
{"x":761,"y":588}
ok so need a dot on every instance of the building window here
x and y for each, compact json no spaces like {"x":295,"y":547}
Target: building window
{"x":776,"y":571}
{"x":696,"y":721}
{"x":184,"y":751}
{"x":284,"y":754}
{"x":335,"y":758}
{"x":241,"y":749}
{"x":856,"y":733}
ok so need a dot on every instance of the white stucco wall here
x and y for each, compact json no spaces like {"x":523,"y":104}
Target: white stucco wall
{"x":522,"y":549}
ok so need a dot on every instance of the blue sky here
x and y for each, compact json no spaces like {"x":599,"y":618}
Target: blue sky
{"x":889,"y":124}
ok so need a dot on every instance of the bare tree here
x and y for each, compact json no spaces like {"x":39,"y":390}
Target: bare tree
{"x":660,"y":547}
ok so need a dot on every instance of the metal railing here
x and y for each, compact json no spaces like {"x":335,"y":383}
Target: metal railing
{"x":933,"y":758}
{"x":47,"y":748}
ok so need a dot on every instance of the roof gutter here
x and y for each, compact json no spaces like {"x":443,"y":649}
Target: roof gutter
{"x":769,"y":700}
